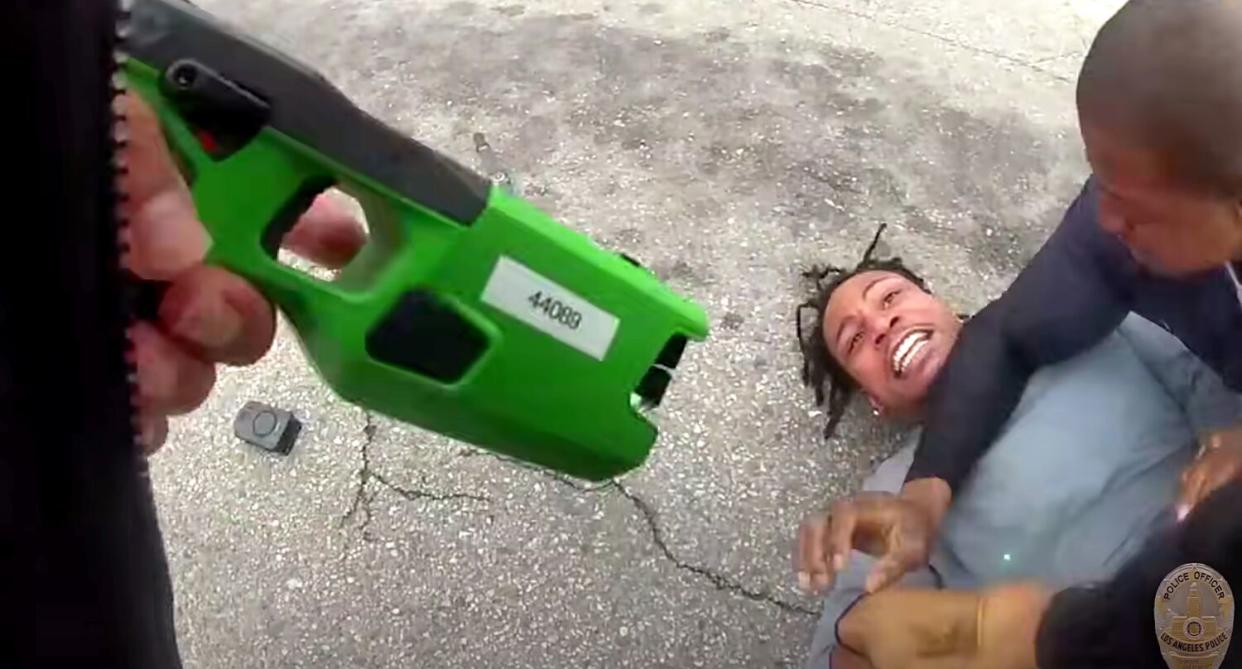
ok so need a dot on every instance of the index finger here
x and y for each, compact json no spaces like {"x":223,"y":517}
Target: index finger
{"x":844,"y":518}
{"x":810,"y":561}
{"x":326,"y":234}
{"x":164,"y":235}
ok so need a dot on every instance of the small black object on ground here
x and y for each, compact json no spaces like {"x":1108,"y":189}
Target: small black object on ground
{"x":267,"y":427}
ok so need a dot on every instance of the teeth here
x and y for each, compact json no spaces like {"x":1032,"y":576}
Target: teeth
{"x":907,"y":349}
{"x":902,"y":348}
{"x":914,"y":351}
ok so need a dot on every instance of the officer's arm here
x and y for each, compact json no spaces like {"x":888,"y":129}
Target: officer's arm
{"x":1075,"y":291}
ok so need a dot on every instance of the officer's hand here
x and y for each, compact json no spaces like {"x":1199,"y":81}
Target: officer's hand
{"x":208,"y":315}
{"x":1218,"y":463}
{"x":940,"y":629}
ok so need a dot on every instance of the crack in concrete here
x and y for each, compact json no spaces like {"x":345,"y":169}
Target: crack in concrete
{"x":416,"y":493}
{"x":720,"y":581}
{"x":361,"y":500}
{"x":650,"y":517}
{"x":366,"y":474}
{"x":362,"y":503}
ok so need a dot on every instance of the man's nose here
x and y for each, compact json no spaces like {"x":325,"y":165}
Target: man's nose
{"x":880,"y":324}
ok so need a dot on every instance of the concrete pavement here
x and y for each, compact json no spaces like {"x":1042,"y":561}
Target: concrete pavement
{"x":729,"y":145}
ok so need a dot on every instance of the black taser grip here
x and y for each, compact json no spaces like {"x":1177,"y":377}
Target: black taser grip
{"x":306,"y":107}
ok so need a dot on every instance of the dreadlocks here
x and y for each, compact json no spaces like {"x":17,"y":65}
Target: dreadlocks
{"x":819,"y":368}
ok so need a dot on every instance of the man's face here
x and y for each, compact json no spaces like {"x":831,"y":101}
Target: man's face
{"x":1170,"y":228}
{"x":891,"y":336}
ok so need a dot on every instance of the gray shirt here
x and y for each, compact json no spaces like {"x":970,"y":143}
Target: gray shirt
{"x":1085,"y":470}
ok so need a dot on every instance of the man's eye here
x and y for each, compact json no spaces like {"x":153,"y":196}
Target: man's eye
{"x":854,"y":341}
{"x":889,"y":297}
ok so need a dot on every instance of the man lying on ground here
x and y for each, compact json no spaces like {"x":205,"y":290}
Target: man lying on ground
{"x":1087,"y":468}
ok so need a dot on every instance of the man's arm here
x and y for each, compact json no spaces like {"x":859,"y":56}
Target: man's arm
{"x":1074,"y":292}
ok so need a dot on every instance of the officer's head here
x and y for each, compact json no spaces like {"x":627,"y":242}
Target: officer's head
{"x":1160,"y":106}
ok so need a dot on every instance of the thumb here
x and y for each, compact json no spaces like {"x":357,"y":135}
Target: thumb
{"x":887,"y":571}
{"x":1192,"y":489}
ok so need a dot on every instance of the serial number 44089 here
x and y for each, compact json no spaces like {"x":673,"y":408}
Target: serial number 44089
{"x":556,"y":310}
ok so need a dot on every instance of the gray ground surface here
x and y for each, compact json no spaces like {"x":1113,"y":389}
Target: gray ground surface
{"x":727,"y":144}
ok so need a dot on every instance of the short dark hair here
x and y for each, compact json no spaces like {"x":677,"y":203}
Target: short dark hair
{"x":819,"y":367}
{"x":1165,"y":75}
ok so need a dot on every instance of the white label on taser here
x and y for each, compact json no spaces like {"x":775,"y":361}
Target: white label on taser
{"x":544,"y":305}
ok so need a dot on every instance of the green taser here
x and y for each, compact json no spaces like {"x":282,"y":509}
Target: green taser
{"x":469,"y":312}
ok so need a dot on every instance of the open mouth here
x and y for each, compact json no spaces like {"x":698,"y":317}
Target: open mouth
{"x":908,"y":349}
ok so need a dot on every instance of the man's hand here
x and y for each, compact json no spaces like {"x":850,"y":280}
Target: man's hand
{"x":208,"y":315}
{"x":899,"y":530}
{"x":1219,"y":462}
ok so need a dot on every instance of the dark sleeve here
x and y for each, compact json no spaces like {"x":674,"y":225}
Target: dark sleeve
{"x":1091,"y":627}
{"x":1074,"y":292}
{"x":87,"y":581}
{"x":1110,"y":624}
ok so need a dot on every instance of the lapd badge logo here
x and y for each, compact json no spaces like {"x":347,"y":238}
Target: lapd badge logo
{"x":1194,"y":617}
